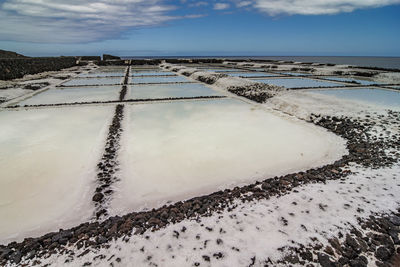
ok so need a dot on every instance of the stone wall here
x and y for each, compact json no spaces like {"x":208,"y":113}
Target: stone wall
{"x":18,"y":67}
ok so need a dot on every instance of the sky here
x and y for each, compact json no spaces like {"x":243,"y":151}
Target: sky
{"x":201,"y":28}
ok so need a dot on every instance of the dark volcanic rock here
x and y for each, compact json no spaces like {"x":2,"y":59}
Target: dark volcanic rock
{"x":110,"y":57}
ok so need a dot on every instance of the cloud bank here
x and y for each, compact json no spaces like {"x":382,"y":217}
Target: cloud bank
{"x":80,"y":21}
{"x":221,"y":6}
{"x":312,"y":7}
{"x":77,"y":20}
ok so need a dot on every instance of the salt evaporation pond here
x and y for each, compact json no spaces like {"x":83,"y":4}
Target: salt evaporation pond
{"x":380,"y":97}
{"x":295,"y":73}
{"x":169,"y":90}
{"x":223,"y":70}
{"x":74,"y":94}
{"x":174,"y":151}
{"x":251,"y":74}
{"x":172,"y":79}
{"x":48,"y":163}
{"x":93,"y":81}
{"x":102,"y":74}
{"x":350,"y":80}
{"x":153,"y":73}
{"x":298,"y":82}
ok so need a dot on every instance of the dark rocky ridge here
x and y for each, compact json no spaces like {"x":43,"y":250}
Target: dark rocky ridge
{"x":13,"y":68}
{"x":108,"y":164}
{"x":378,"y":237}
{"x":10,"y":54}
{"x":110,"y":57}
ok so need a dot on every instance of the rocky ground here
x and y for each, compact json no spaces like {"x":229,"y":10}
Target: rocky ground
{"x":342,"y":214}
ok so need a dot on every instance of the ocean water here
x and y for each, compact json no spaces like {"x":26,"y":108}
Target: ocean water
{"x":379,"y":62}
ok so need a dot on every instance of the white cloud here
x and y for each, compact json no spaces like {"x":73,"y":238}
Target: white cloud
{"x":221,"y":6}
{"x":77,"y":20}
{"x":243,"y":3}
{"x":315,"y":7}
{"x":199,"y":4}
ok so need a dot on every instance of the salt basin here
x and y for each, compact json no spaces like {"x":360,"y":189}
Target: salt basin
{"x":155,"y":79}
{"x":169,"y":90}
{"x":93,"y":81}
{"x":251,"y":74}
{"x":102,"y":74}
{"x":74,"y":94}
{"x":152,"y":73}
{"x":174,"y":151}
{"x":379,"y":97}
{"x":350,"y":80}
{"x":298,"y":82}
{"x":48,"y":163}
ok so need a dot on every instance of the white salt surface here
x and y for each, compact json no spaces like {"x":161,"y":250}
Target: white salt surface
{"x":302,"y":103}
{"x":256,"y":229}
{"x":172,"y":79}
{"x":7,"y":94}
{"x":152,"y":73}
{"x":351,"y":80}
{"x":103,"y":74}
{"x":222,"y":70}
{"x":93,"y":81}
{"x":172,"y":151}
{"x":74,"y":94}
{"x":251,"y":74}
{"x":380,"y":97}
{"x":48,"y":168}
{"x":169,"y":90}
{"x":296,"y":73}
{"x":298,"y":82}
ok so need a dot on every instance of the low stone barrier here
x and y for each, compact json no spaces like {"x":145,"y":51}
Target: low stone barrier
{"x":13,"y":68}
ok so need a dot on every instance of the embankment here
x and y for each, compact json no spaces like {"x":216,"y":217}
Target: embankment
{"x":13,"y":68}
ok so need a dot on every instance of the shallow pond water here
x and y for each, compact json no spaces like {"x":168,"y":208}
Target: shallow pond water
{"x":296,"y":73}
{"x":251,"y":74}
{"x":74,"y":94}
{"x":172,"y":79}
{"x":169,"y":90}
{"x":174,"y":151}
{"x":381,"y":97}
{"x":48,"y":163}
{"x":102,"y":74}
{"x":152,"y":73}
{"x":350,"y":80}
{"x":298,"y":82}
{"x":222,"y":70}
{"x":94,"y":81}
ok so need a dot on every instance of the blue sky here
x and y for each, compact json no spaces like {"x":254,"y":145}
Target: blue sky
{"x":201,"y":28}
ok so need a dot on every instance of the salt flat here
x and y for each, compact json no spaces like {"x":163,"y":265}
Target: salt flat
{"x":141,"y":91}
{"x":172,"y":151}
{"x":48,"y":163}
{"x":74,"y":94}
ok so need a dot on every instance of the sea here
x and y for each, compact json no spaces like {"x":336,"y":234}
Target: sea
{"x":377,"y":62}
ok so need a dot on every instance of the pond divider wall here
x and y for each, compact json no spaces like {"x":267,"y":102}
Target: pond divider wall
{"x":13,"y":68}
